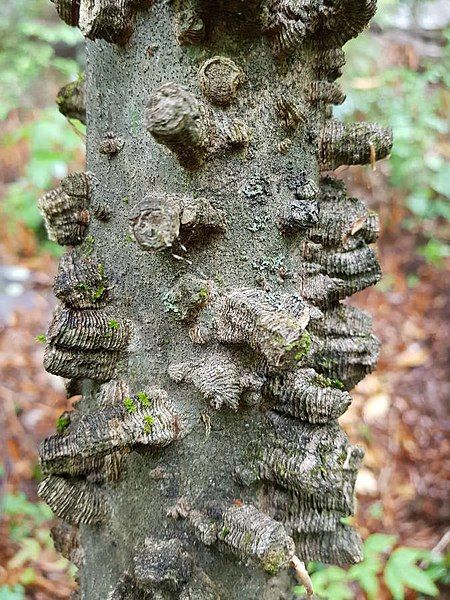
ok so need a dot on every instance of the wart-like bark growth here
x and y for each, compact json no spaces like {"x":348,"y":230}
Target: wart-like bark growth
{"x":71,"y":100}
{"x":201,"y":312}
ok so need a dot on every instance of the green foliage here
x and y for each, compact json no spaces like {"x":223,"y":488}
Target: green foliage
{"x":143,"y":399}
{"x":12,"y":592}
{"x":365,"y":573}
{"x":29,"y":64}
{"x":398,"y":569}
{"x":323,"y":381}
{"x":148,"y":423}
{"x":414,"y":103}
{"x":27,"y":50}
{"x":41,"y":338}
{"x":88,"y":246}
{"x":303,"y":346}
{"x":18,"y":505}
{"x":27,"y":529}
{"x":435,"y":251}
{"x":170,"y":303}
{"x":98,"y":293}
{"x":129,"y":405}
{"x":62,"y":423}
{"x":402,"y":572}
{"x":26,"y":524}
{"x":52,"y":145}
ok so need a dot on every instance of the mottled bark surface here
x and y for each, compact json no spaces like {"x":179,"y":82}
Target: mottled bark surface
{"x":201,"y":313}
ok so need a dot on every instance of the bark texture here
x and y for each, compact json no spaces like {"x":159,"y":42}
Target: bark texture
{"x":201,"y":315}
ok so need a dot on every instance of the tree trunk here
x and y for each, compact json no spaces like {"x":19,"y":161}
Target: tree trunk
{"x":200,"y":310}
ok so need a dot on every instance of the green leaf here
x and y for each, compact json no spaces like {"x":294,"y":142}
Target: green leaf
{"x":404,"y":556}
{"x":27,"y":576}
{"x":14,"y":592}
{"x":129,"y":405}
{"x":438,"y":567}
{"x":401,"y":571}
{"x":30,"y":551}
{"x":378,"y":543}
{"x":435,"y":251}
{"x":339,"y":591}
{"x":393,"y":581}
{"x":369,"y":583}
{"x":331,"y":582}
{"x":148,"y":424}
{"x":335,"y":573}
{"x":418,"y":580}
{"x":143,"y":399}
{"x":419,"y":204}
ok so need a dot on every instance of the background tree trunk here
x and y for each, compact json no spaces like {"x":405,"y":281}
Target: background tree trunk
{"x":201,"y":314}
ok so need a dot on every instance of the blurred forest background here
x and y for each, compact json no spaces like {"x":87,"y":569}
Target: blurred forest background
{"x":397,"y":74}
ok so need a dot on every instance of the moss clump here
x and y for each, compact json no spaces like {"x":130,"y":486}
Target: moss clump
{"x":148,"y":423}
{"x":94,"y":293}
{"x":71,"y":101}
{"x":224,"y":532}
{"x":41,"y":338}
{"x":129,"y":405}
{"x":273,"y":562}
{"x":143,"y":399}
{"x":88,"y":246}
{"x":203,"y":294}
{"x":302,"y":346}
{"x":113,"y":324}
{"x":323,"y":382}
{"x":98,"y":292}
{"x":62,"y":423}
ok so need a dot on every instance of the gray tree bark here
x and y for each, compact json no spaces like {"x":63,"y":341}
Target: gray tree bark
{"x":200,"y":299}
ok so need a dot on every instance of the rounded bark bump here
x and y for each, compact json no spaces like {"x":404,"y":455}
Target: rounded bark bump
{"x":219,"y":79}
{"x":163,"y":566}
{"x":68,"y":10}
{"x":81,"y":282}
{"x":193,"y":133}
{"x":71,"y":100}
{"x":307,"y":395}
{"x":352,"y":144}
{"x":65,"y":210}
{"x":288,"y":23}
{"x":190,"y":26}
{"x":75,"y":501}
{"x":219,"y":379}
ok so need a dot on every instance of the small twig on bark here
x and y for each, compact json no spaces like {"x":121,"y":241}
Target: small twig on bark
{"x":440,"y":547}
{"x":302,"y":575}
{"x":373,"y":156}
{"x":77,"y":132}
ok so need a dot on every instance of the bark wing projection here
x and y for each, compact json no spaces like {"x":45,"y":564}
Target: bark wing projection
{"x":202,"y":310}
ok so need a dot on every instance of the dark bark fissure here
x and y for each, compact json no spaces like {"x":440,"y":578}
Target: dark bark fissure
{"x":201,"y":310}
